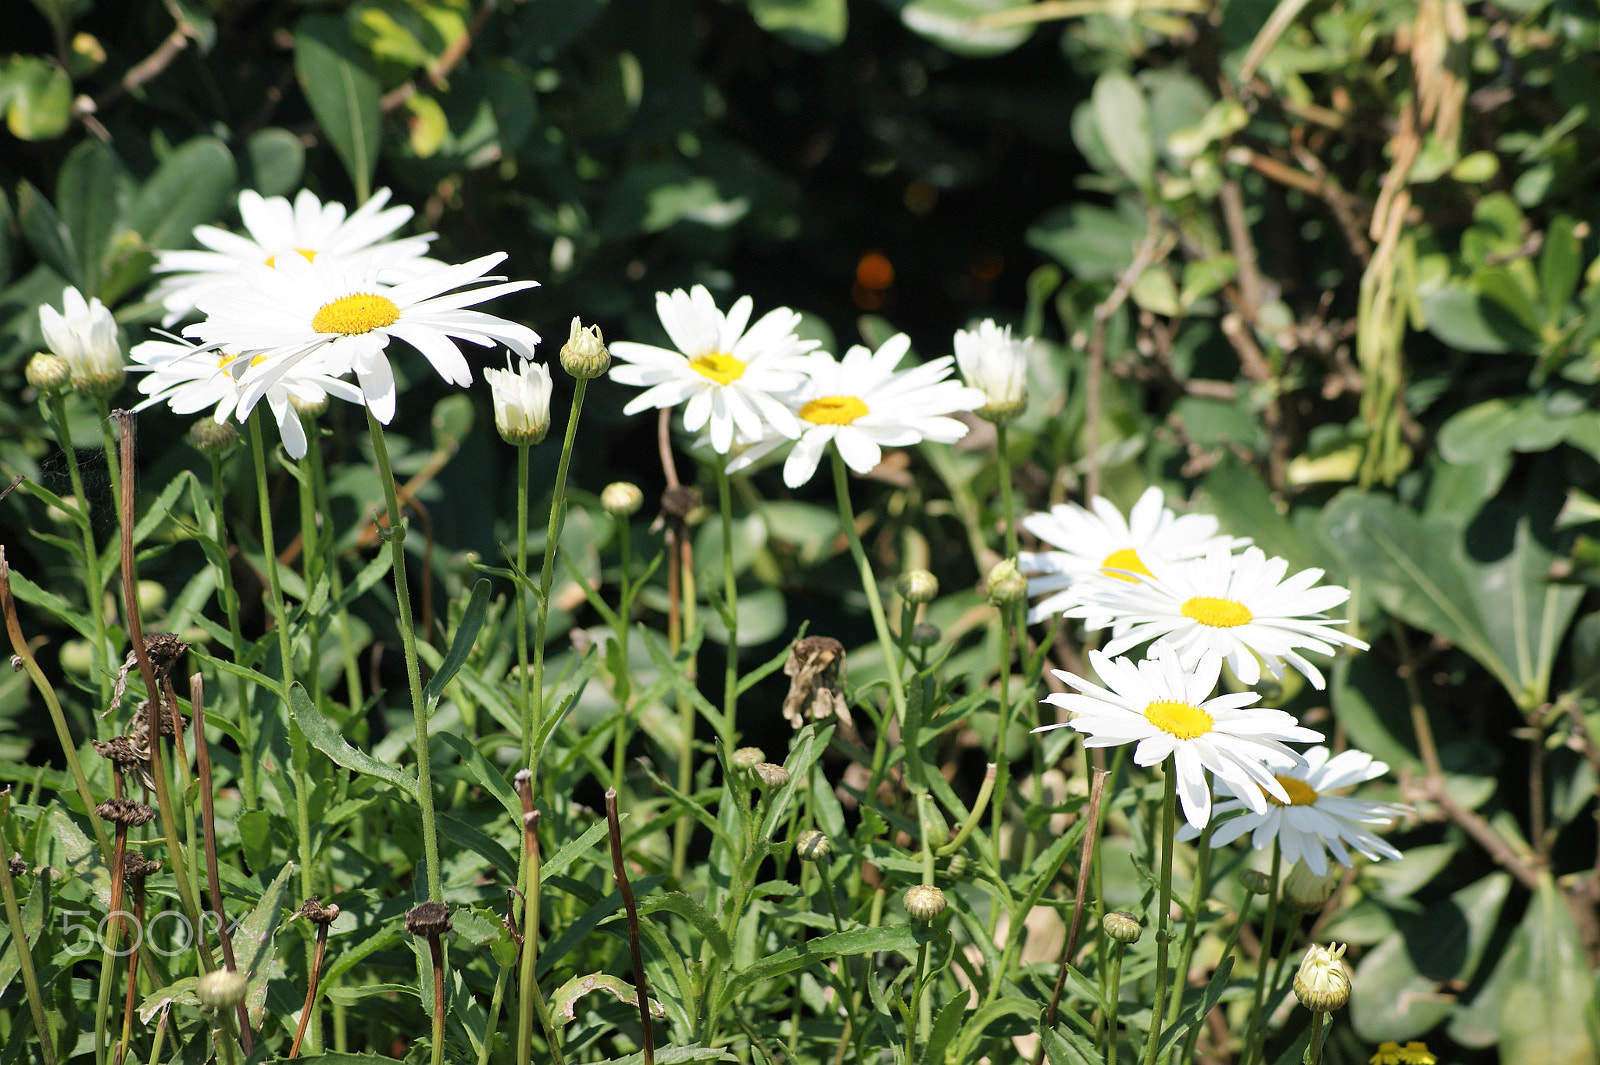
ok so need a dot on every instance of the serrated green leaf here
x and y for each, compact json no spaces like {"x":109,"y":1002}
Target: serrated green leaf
{"x":324,"y":735}
{"x":460,"y":644}
{"x":817,"y":952}
{"x":684,"y":906}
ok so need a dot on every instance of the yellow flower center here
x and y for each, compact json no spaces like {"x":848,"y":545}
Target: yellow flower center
{"x":1300,"y":793}
{"x":1120,"y":564}
{"x":719,"y":366}
{"x":353,"y":315}
{"x":305,"y":253}
{"x":1217,"y":613}
{"x":833,"y":410}
{"x":1183,"y":720}
{"x":223,"y":359}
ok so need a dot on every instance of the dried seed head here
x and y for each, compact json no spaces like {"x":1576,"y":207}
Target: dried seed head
{"x":1122,"y":926}
{"x":925,"y":634}
{"x":428,"y":919}
{"x":221,"y":989}
{"x":1255,"y":881}
{"x":1307,"y":892}
{"x":771,"y":775}
{"x":125,"y":812}
{"x":680,"y":502}
{"x":1321,"y":984}
{"x":584,"y":355}
{"x":314,"y":911}
{"x":815,"y":669}
{"x":917,"y":586}
{"x":1006,"y":584}
{"x":18,"y":865}
{"x":813,"y":846}
{"x":621,"y":499}
{"x":747,"y":758}
{"x":121,"y":752}
{"x":136,"y":868}
{"x":49,"y":373}
{"x":213,"y":440}
{"x":165,"y":648}
{"x":924,"y":902}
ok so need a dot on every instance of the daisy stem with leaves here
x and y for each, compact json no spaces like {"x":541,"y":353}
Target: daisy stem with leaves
{"x":520,"y":585}
{"x":730,"y":589}
{"x":396,"y":536}
{"x":1265,"y":957}
{"x":298,"y":751}
{"x":230,"y":608}
{"x":1169,"y":829}
{"x":94,"y":588}
{"x":1202,"y":876}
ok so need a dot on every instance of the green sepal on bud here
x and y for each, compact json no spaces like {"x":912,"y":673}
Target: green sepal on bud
{"x":49,"y":373}
{"x":917,"y":586}
{"x":925,"y":634}
{"x":1006,"y":584}
{"x":924,"y":902}
{"x":1122,"y":926}
{"x":1255,"y":881}
{"x":813,"y":846}
{"x":1321,"y":983}
{"x":621,"y":499}
{"x":221,"y":989}
{"x":584,"y":355}
{"x":747,"y":758}
{"x":1306,"y":891}
{"x":211,"y":439}
{"x":771,"y":774}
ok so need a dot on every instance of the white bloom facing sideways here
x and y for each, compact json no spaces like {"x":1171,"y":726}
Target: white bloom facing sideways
{"x":281,"y":314}
{"x":1314,"y":822}
{"x":1239,"y":607}
{"x":992,"y":362}
{"x":272,"y":226}
{"x":521,"y":402}
{"x":863,"y":404}
{"x":192,"y":377}
{"x":84,"y":335}
{"x":1097,"y":544}
{"x":729,"y":377}
{"x":1163,"y":706}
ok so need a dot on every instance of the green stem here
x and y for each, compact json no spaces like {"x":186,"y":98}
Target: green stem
{"x":1002,"y":728}
{"x":1113,"y":1002}
{"x":730,"y":589}
{"x":24,"y":950}
{"x":1169,"y":828}
{"x":408,"y":640}
{"x":1006,"y":503}
{"x":880,"y":624}
{"x":493,"y":1027}
{"x":524,"y":678}
{"x":347,"y":640}
{"x":1191,"y":924}
{"x":552,"y":544}
{"x":624,"y":687}
{"x":913,"y":1016}
{"x":94,"y":589}
{"x":1265,"y":957}
{"x":1314,"y":1050}
{"x":230,"y":607}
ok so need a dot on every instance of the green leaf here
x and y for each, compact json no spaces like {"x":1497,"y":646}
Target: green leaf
{"x":1197,"y":1008}
{"x":684,"y":906}
{"x":1006,"y":1006}
{"x":948,"y":23}
{"x":46,"y":234}
{"x":482,"y":771}
{"x":1123,"y":117}
{"x":1496,"y":427}
{"x":342,"y":92}
{"x":815,"y":25}
{"x":189,"y":188}
{"x":1549,"y":1014}
{"x":460,"y":644}
{"x":39,"y":98}
{"x":90,"y":194}
{"x":817,"y":952}
{"x":1468,"y":321}
{"x":324,"y":735}
{"x":253,"y":943}
{"x":1560,"y":265}
{"x":347,"y":1059}
{"x":277,"y":159}
{"x":1068,"y":1049}
{"x":1400,"y":989}
{"x":567,"y":995}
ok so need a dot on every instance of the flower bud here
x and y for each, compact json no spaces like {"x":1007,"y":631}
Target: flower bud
{"x":1255,"y":881}
{"x":1305,"y":891}
{"x":1006,"y":584}
{"x":621,"y":499}
{"x":584,"y":355}
{"x":521,"y":402}
{"x":747,"y":758}
{"x":309,"y":409}
{"x":211,"y":439}
{"x":1321,"y":984}
{"x":813,"y":846}
{"x":924,"y":902}
{"x":995,"y":364}
{"x":771,"y":774}
{"x":1122,"y":926}
{"x":917,"y":586}
{"x":221,"y":989}
{"x":84,"y":335}
{"x":925,"y":634}
{"x":49,"y":373}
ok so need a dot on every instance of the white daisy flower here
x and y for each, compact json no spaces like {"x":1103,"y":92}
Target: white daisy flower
{"x":192,"y":377}
{"x":863,"y":405}
{"x":998,"y":366}
{"x":1314,"y":822}
{"x":273,"y":227}
{"x":1162,"y":705}
{"x":1239,"y":607}
{"x":729,"y":378}
{"x":521,"y":401}
{"x":339,"y":307}
{"x":85,"y":337}
{"x":1098,"y":543}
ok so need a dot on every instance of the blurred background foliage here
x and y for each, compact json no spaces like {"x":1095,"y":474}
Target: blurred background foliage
{"x":1328,"y":261}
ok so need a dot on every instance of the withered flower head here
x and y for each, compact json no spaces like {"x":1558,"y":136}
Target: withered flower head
{"x":816,"y":681}
{"x":125,"y":812}
{"x":165,"y":649}
{"x":678,"y":503}
{"x":122,"y":752}
{"x":428,"y":919}
{"x":314,"y":911}
{"x":18,"y":865}
{"x":136,"y":868}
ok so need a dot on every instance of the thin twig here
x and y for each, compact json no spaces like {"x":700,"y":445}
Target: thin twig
{"x":208,"y":826}
{"x":1091,"y":831}
{"x":621,"y":874}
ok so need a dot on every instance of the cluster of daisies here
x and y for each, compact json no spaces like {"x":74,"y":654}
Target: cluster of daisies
{"x":1196,"y":600}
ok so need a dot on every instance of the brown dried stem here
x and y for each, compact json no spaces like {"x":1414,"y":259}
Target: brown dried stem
{"x":621,"y":874}
{"x":208,"y":828}
{"x":1091,"y":832}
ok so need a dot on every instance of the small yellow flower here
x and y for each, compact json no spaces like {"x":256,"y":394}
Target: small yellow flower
{"x":1413,"y":1053}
